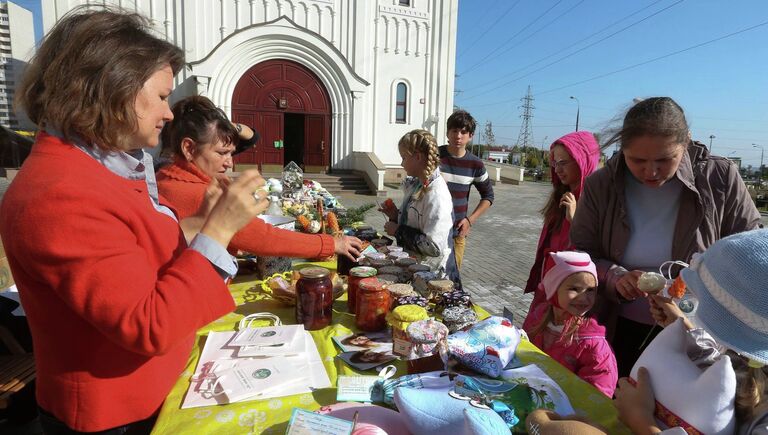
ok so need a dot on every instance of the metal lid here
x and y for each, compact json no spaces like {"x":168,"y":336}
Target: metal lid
{"x":314,"y":272}
{"x":362,"y":272}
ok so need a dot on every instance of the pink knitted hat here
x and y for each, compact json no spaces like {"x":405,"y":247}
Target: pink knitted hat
{"x":561,"y":265}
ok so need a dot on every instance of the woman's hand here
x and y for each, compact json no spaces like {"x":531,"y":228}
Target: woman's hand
{"x":626,"y":286}
{"x":635,"y":404}
{"x":391,"y":228}
{"x":348,"y":246}
{"x":240,"y":202}
{"x":568,"y":201}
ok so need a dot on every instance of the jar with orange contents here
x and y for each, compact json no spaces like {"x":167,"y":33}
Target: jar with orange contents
{"x":372,"y":305}
{"x":356,"y":274}
{"x":314,"y":298}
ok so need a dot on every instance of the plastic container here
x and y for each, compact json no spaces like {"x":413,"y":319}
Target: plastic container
{"x":356,"y":274}
{"x":372,"y":305}
{"x":314,"y":298}
{"x":399,"y":319}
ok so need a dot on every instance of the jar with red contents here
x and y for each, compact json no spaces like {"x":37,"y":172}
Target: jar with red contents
{"x":356,"y":274}
{"x":314,"y":298}
{"x":372,"y":305}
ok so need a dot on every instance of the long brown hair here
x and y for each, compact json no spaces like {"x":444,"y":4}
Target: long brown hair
{"x":655,"y":116}
{"x":570,"y":328}
{"x":751,"y":383}
{"x":84,"y":78}
{"x":199,"y":119}
{"x":554,"y":215}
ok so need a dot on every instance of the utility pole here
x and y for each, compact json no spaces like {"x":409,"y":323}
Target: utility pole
{"x":711,"y":136}
{"x":578,"y":109}
{"x":525,"y":138}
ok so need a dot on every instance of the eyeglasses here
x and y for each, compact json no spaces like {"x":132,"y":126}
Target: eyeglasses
{"x":560,"y":164}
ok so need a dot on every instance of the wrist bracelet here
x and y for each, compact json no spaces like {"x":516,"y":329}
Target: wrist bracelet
{"x":239,"y":128}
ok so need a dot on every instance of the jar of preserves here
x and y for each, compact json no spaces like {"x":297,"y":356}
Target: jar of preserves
{"x":314,"y":298}
{"x":429,"y":346}
{"x":372,"y":305}
{"x":400,"y":318}
{"x":356,"y":274}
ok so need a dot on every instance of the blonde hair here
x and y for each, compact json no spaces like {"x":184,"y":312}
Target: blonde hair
{"x":421,"y":141}
{"x":751,"y":385}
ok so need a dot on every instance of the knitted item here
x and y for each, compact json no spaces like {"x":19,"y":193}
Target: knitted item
{"x":561,"y":265}
{"x":729,"y":280}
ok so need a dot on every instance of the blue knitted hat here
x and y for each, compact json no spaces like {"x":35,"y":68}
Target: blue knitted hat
{"x":730,"y":281}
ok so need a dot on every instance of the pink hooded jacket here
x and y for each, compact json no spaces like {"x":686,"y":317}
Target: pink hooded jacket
{"x":585,"y":151}
{"x":589,"y":355}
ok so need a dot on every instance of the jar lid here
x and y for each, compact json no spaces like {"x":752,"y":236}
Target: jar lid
{"x":379,"y":241}
{"x":401,"y":290}
{"x":381,"y":262}
{"x":362,"y":272}
{"x":390,"y":270}
{"x":441,"y":284}
{"x":406,"y":261}
{"x":394,"y":249}
{"x":427,"y":331}
{"x":372,"y":284}
{"x":418,"y":268}
{"x":387,"y":279}
{"x":403,"y":315}
{"x":414,"y":299}
{"x":375,"y":256}
{"x":314,"y":272}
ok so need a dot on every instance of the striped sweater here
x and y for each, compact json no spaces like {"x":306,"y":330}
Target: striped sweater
{"x":461,"y":173}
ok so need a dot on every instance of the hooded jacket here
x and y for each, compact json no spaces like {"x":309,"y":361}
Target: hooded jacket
{"x":588,"y":355}
{"x":714,"y":203}
{"x":585,"y":151}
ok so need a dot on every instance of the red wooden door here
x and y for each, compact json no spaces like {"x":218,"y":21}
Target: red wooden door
{"x":271,"y":126}
{"x":251,"y":155}
{"x":315,"y":141}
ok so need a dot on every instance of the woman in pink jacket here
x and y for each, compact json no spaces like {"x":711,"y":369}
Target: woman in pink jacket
{"x":572,"y":158}
{"x":562,"y":328}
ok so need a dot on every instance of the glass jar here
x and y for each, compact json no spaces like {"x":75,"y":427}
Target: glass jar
{"x":314,"y":298}
{"x":428,"y":338}
{"x":344,"y":264}
{"x":372,"y":305}
{"x":400,"y":318}
{"x":356,"y":274}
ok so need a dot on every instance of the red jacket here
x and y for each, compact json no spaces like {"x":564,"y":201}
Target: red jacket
{"x":589,"y":355}
{"x":184,"y":184}
{"x":112,"y":294}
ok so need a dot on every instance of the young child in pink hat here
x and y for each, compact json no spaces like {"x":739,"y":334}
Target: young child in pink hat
{"x":563,"y":329}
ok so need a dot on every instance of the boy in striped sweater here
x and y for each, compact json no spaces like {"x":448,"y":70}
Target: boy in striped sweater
{"x":461,"y":170}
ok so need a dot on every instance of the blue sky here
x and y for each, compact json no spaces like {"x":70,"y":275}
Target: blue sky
{"x":723,"y":86}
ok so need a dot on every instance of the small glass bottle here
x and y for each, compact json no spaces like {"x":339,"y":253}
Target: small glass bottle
{"x":314,"y":298}
{"x":372,"y":305}
{"x":356,"y":274}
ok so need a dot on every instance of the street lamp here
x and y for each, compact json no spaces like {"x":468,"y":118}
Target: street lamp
{"x":711,"y":136}
{"x":762,"y":151}
{"x":578,"y":109}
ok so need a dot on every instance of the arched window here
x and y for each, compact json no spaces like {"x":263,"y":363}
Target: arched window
{"x":401,"y":103}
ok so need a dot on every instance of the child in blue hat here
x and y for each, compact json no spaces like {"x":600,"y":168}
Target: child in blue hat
{"x":729,"y":283}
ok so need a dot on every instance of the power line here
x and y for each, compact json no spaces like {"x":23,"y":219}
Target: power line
{"x":573,"y":53}
{"x":526,"y":130}
{"x":656,"y":58}
{"x":488,"y":29}
{"x":478,"y":63}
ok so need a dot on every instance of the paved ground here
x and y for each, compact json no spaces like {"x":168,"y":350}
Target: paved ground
{"x":501,"y":246}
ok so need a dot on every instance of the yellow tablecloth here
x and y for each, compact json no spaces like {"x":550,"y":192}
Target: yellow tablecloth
{"x":270,"y":416}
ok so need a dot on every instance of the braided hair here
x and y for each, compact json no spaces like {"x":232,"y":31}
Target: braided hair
{"x":422,"y":141}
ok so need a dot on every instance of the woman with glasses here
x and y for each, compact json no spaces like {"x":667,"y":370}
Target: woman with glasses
{"x":201,"y":141}
{"x":572,"y":158}
{"x":662,"y":197}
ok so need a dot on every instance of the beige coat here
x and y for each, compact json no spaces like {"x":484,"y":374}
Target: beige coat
{"x":714,"y":203}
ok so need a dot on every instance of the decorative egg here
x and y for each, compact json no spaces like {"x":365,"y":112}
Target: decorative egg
{"x":314,"y":227}
{"x":651,"y":282}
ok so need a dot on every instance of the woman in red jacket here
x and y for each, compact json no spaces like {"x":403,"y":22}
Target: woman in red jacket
{"x":112,"y":291}
{"x":202,"y":140}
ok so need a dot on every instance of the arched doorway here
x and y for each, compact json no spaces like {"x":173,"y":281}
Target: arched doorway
{"x":290,"y":108}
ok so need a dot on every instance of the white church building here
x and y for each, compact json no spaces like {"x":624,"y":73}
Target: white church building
{"x":330,"y":84}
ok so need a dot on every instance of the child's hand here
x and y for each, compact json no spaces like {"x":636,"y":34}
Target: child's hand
{"x":391,"y":228}
{"x":627,"y":285}
{"x":390,"y":210}
{"x":568,"y":201}
{"x":665,"y":311}
{"x":635,"y":404}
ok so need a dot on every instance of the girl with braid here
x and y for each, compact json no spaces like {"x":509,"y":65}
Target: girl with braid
{"x":423,"y":225}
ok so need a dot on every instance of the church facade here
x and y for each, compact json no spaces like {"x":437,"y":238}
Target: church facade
{"x":330,"y":84}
